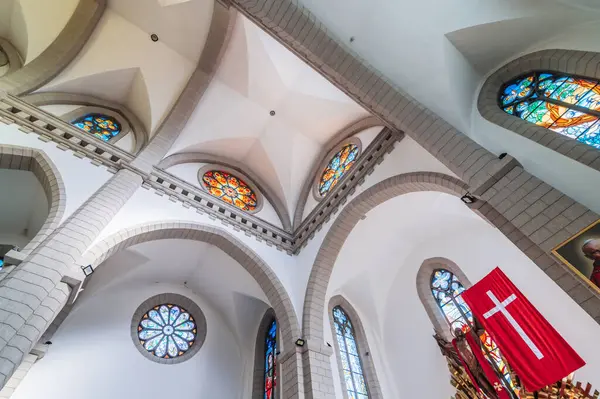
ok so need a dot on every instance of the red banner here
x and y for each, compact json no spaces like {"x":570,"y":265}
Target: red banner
{"x":491,"y":376}
{"x":536,"y":352}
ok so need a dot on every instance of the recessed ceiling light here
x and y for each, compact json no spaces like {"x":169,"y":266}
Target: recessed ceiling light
{"x":272,"y":113}
{"x":154,"y":37}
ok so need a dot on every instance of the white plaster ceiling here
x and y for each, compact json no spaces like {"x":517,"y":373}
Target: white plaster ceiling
{"x":201,"y":267}
{"x":258,"y":75}
{"x":407,"y":40}
{"x":180,"y":24}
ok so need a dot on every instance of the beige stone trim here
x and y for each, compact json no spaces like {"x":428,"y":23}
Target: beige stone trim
{"x":580,"y":63}
{"x":14,"y":58}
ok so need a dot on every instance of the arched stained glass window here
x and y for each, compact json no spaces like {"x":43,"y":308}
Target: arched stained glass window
{"x":230,"y":189}
{"x":1,"y":262}
{"x":447,"y":291}
{"x":566,"y":104}
{"x":338,"y":165}
{"x":102,"y":126}
{"x":270,"y":361}
{"x":349,"y":355}
{"x":167,"y":331}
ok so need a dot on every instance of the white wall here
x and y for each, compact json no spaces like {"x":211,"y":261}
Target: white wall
{"x":93,"y":355}
{"x":24,"y":207}
{"x":381,"y":283}
{"x":80,"y":177}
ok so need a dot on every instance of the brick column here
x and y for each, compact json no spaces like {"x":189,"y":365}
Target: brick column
{"x":34,"y":292}
{"x":290,"y":381}
{"x":318,"y":379}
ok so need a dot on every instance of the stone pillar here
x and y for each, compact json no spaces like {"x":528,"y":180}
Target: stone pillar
{"x":34,"y":292}
{"x":291,"y":381}
{"x":318,"y":379}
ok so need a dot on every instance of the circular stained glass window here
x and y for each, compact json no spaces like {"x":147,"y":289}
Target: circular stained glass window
{"x":338,"y":165}
{"x":167,"y":331}
{"x":102,"y":126}
{"x":230,"y":189}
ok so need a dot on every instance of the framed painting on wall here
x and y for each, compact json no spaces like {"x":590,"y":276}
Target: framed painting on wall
{"x":581,"y":252}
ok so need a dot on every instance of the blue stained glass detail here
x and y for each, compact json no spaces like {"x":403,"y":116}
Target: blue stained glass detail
{"x":547,"y":100}
{"x":1,"y":263}
{"x":160,"y":334}
{"x":102,"y":126}
{"x":338,"y":165}
{"x":348,"y":353}
{"x":271,"y":361}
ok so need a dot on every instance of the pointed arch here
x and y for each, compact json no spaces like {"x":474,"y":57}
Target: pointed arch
{"x":185,"y":230}
{"x":258,"y":384}
{"x":364,"y":352}
{"x":583,"y":64}
{"x":423,"y":281}
{"x":37,"y":162}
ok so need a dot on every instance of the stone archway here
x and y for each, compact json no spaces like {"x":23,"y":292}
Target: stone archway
{"x":248,"y":259}
{"x":315,"y":300}
{"x":38,"y":163}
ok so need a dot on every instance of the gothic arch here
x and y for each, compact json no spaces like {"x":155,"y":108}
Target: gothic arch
{"x":248,"y":259}
{"x":582,"y":63}
{"x":314,"y":304}
{"x":366,"y":356}
{"x":348,"y":131}
{"x":424,"y":290}
{"x":37,"y":162}
{"x":60,"y":53}
{"x":236,"y":167}
{"x":90,"y":104}
{"x":258,"y":381}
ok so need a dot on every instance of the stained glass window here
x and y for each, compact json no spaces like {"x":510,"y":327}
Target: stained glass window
{"x":101,"y":126}
{"x":230,"y":189}
{"x":167,"y":331}
{"x":270,"y":360}
{"x":566,"y":104}
{"x":447,"y":291}
{"x":351,"y":364}
{"x":339,"y":164}
{"x":1,"y":263}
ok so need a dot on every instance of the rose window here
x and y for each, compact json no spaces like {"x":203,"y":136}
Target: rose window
{"x":167,"y":331}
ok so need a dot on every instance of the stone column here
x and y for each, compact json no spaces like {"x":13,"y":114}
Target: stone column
{"x":34,"y":292}
{"x":290,"y":382}
{"x":318,"y":379}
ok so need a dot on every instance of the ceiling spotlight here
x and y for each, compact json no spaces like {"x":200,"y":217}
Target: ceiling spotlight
{"x":468,"y":198}
{"x":272,"y":113}
{"x":154,"y":37}
{"x":351,"y":39}
{"x":87,"y":270}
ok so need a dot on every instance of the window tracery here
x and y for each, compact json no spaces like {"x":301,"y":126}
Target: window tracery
{"x":447,"y":291}
{"x":563,"y":103}
{"x":102,"y":126}
{"x":270,"y":364}
{"x":338,"y":165}
{"x":167,"y":331}
{"x":230,"y":189}
{"x":350,"y":359}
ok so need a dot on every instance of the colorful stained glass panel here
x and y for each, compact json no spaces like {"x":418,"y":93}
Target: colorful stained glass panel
{"x":348,"y":353}
{"x":270,"y":360}
{"x":102,"y":126}
{"x":339,"y":164}
{"x":230,"y":189}
{"x":557,"y":102}
{"x":162,"y":336}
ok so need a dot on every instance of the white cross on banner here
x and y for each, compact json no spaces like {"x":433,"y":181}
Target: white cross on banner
{"x":533,"y":349}
{"x":501,"y":307}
